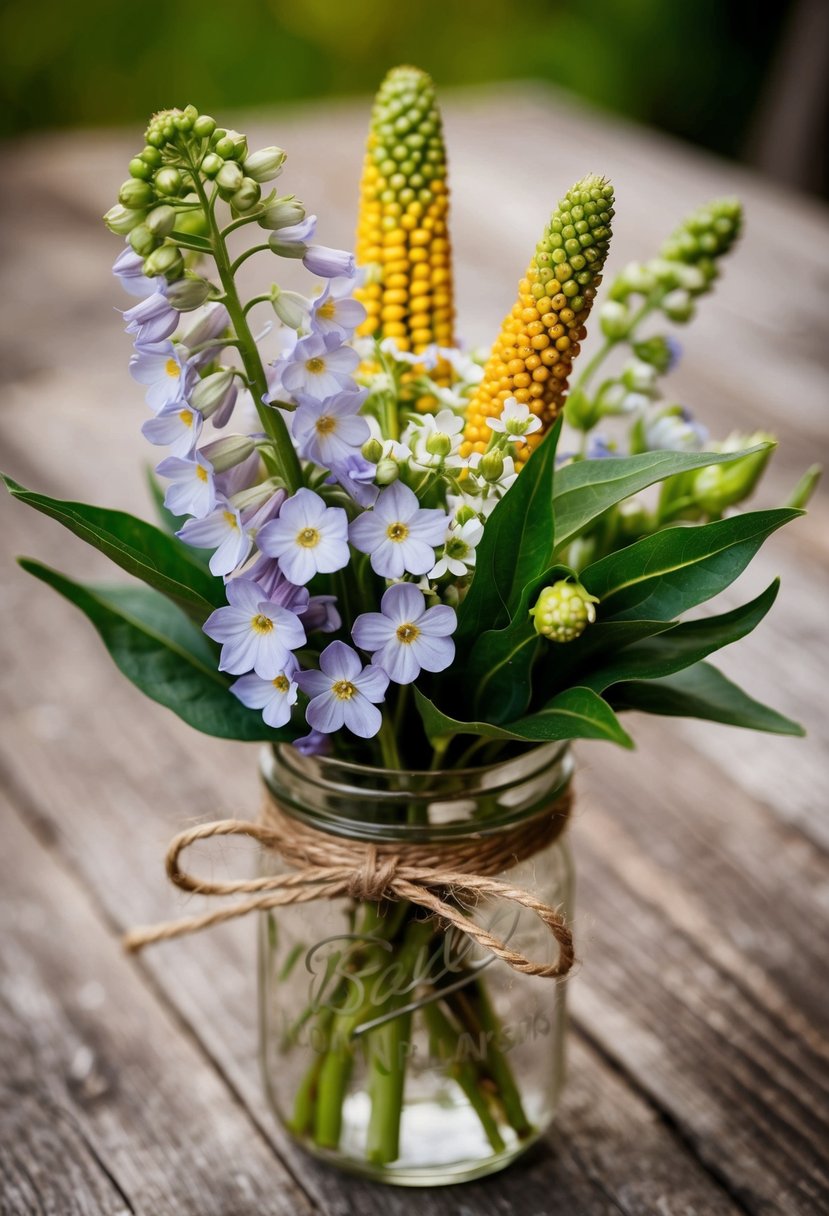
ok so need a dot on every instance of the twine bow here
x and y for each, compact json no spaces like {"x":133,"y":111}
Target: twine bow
{"x":326,"y":866}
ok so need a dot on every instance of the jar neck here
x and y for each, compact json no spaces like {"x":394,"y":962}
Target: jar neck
{"x":386,"y":804}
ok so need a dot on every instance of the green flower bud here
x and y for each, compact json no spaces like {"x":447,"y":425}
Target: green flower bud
{"x":204,"y":126}
{"x":720,"y":486}
{"x":143,"y":240}
{"x":192,"y":220}
{"x":211,"y":164}
{"x":708,"y":233}
{"x":152,"y":157}
{"x":372,"y":450}
{"x":386,"y":472}
{"x":226,"y":453}
{"x":659,"y":351}
{"x":283,"y":213}
{"x":167,"y":261}
{"x":247,"y":196}
{"x":492,"y":465}
{"x":162,"y":220}
{"x":438,"y":444}
{"x":140,"y":169}
{"x":266,"y":164}
{"x":188,"y":293}
{"x":563,"y":612}
{"x":122,"y":220}
{"x":135,"y":194}
{"x":211,"y":392}
{"x":231,"y":145}
{"x":287,"y":249}
{"x":229,"y":178}
{"x":614,"y":319}
{"x":678,"y":306}
{"x":464,"y":514}
{"x":291,"y":308}
{"x":168,"y":181}
{"x":580,"y":411}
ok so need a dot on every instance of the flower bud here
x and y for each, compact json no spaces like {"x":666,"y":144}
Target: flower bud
{"x":660,"y":351}
{"x":438,"y":444}
{"x":266,"y":164}
{"x":563,"y":611}
{"x":678,"y":306}
{"x":291,"y":308}
{"x":230,"y":177}
{"x":211,"y":164}
{"x":492,"y":465}
{"x":142,"y":240}
{"x":135,"y":194}
{"x":283,"y":213}
{"x":139,"y":169}
{"x":168,"y":181}
{"x":639,"y":376}
{"x":204,"y":126}
{"x":214,"y":393}
{"x":464,"y":514}
{"x":188,"y":293}
{"x":232,"y":145}
{"x":247,"y":196}
{"x":386,"y":472}
{"x":122,"y":220}
{"x":192,"y":220}
{"x":226,"y":453}
{"x":614,"y":319}
{"x":720,"y":486}
{"x":372,"y":450}
{"x":166,"y":260}
{"x":162,"y":220}
{"x":580,"y":411}
{"x":152,"y":157}
{"x":329,"y":263}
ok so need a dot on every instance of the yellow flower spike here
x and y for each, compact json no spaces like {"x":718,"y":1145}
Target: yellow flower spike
{"x":539,"y":339}
{"x":402,"y":234}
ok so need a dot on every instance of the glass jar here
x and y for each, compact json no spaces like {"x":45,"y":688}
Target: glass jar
{"x":391,"y":1045}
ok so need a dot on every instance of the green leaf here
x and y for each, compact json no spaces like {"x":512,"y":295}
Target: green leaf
{"x":701,"y":691}
{"x":576,"y":713}
{"x":683,"y":645}
{"x":517,"y":546}
{"x":164,"y":655}
{"x":663,"y":575}
{"x":142,"y":550}
{"x":559,"y":664}
{"x":586,"y":489}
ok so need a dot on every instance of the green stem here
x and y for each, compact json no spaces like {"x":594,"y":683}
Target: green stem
{"x":445,"y":1035}
{"x":388,"y":745}
{"x":272,"y":422}
{"x":475,"y":1009}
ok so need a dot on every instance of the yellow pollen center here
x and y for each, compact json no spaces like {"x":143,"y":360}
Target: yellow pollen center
{"x":343,"y":689}
{"x":315,"y":365}
{"x":201,"y":473}
{"x":397,"y":531}
{"x":230,"y":519}
{"x":261,"y":624}
{"x":309,"y":538}
{"x":325,"y":425}
{"x":326,"y":310}
{"x":186,"y":417}
{"x":282,"y":683}
{"x":407,"y":633}
{"x":172,"y":369}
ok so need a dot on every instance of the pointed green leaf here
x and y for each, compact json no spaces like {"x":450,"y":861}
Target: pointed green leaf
{"x":701,"y":691}
{"x":142,"y":550}
{"x":586,"y":489}
{"x":164,"y":655}
{"x":576,"y":713}
{"x":517,"y":546}
{"x":663,"y":575}
{"x":683,"y":645}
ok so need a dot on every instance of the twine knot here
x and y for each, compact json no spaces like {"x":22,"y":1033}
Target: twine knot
{"x":375,"y":876}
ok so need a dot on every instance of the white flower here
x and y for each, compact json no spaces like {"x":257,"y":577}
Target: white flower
{"x":307,"y":538}
{"x":459,"y":549}
{"x":435,"y":440}
{"x":515,"y":420}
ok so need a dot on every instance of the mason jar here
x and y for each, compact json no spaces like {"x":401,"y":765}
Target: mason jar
{"x":392,"y":1043}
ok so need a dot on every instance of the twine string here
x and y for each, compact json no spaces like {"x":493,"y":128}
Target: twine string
{"x":326,"y":866}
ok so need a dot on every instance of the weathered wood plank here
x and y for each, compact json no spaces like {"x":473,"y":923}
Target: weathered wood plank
{"x":108,"y":1106}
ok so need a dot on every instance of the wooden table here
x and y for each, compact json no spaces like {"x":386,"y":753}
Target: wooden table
{"x":699,"y":1064}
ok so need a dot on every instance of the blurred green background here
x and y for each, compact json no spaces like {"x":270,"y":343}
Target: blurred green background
{"x":697,"y":70}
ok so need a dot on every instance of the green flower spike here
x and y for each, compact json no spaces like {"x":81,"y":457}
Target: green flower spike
{"x":563,"y":611}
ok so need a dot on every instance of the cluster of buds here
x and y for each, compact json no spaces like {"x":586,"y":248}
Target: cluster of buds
{"x":563,"y":611}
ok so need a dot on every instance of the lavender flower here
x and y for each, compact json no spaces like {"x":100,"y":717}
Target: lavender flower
{"x":274,"y":697}
{"x":321,"y":615}
{"x":223,"y":531}
{"x":329,"y":263}
{"x":319,"y":370}
{"x":335,"y":312}
{"x":129,"y":269}
{"x":308,"y":537}
{"x":193,"y":491}
{"x":330,"y":432}
{"x":343,"y":693}
{"x":398,"y":533}
{"x":165,"y":369}
{"x":176,"y":426}
{"x":152,"y":320}
{"x":405,"y":636}
{"x":255,"y":633}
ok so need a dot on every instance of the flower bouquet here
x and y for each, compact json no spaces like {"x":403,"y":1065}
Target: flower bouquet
{"x":377,"y":555}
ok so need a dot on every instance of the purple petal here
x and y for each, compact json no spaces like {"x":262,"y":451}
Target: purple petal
{"x":361,"y":717}
{"x":403,"y":602}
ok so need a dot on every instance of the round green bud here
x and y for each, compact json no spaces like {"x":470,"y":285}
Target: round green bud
{"x":152,"y":157}
{"x":204,"y":126}
{"x":247,"y":196}
{"x":387,"y":471}
{"x":224,"y":147}
{"x":581,"y":411}
{"x":438,"y":444}
{"x":168,"y":181}
{"x":226,"y":453}
{"x":563,"y":611}
{"x":135,"y":194}
{"x":266,"y":164}
{"x":192,"y":220}
{"x":492,"y":465}
{"x":283,"y":213}
{"x":167,"y":261}
{"x":211,"y":164}
{"x":161,"y":220}
{"x":122,"y":220}
{"x":143,"y":240}
{"x":656,"y":350}
{"x":188,"y":293}
{"x":140,"y":169}
{"x":229,"y":178}
{"x":678,"y":306}
{"x":614,"y":319}
{"x":372,"y":450}
{"x":291,"y":308}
